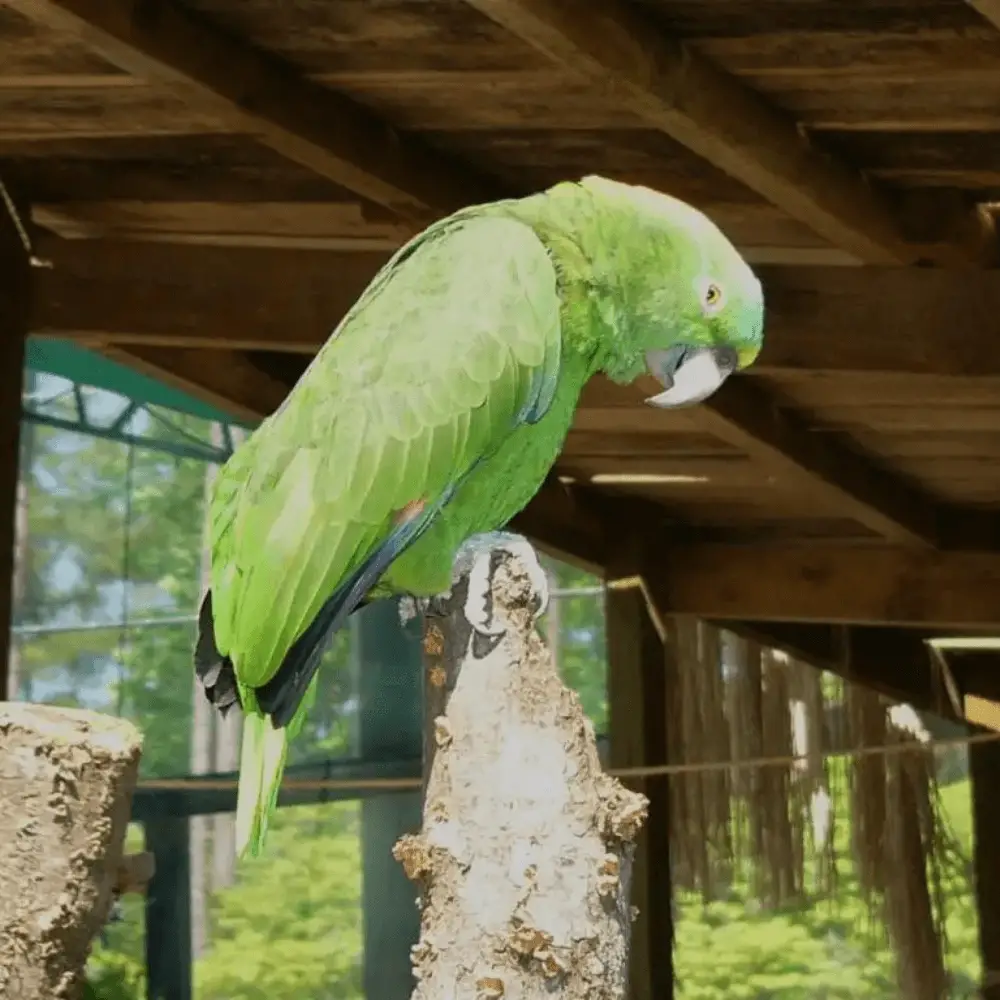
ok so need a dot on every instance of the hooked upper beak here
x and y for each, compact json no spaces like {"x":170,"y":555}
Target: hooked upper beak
{"x":689,"y":374}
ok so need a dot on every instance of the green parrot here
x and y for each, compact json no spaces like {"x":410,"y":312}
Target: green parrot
{"x":434,"y":413}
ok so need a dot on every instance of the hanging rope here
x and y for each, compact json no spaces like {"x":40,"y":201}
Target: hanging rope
{"x":22,"y":232}
{"x":625,"y":773}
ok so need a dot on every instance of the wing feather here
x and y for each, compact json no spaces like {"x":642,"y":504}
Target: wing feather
{"x":455,"y":343}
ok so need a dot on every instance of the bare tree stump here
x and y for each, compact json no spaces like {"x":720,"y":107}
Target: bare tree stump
{"x":524,"y":859}
{"x":66,"y":782}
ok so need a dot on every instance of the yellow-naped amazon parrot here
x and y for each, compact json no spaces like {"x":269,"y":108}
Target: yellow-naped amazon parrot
{"x":434,"y":413}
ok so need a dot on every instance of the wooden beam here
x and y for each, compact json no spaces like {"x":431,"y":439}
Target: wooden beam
{"x":622,"y":51}
{"x":904,"y":321}
{"x":115,"y":292}
{"x":225,"y":379}
{"x":264,"y":97}
{"x":295,"y":225}
{"x":829,"y":583}
{"x":745,"y":416}
{"x":920,"y":321}
{"x":16,"y":276}
{"x":637,"y":724}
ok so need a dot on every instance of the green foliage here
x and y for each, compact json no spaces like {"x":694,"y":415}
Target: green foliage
{"x":582,"y":655}
{"x":291,"y":926}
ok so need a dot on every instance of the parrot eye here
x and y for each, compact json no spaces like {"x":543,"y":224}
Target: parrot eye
{"x":713,"y":297}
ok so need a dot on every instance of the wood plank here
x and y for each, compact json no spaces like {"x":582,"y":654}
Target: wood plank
{"x":616,"y":47}
{"x":888,"y":324}
{"x":637,"y":729}
{"x":262,"y":96}
{"x":855,"y":585}
{"x":155,"y":294}
{"x":25,"y":50}
{"x":297,"y":225}
{"x":745,"y":416}
{"x":914,"y":320}
{"x":85,"y":109}
{"x":870,"y":54}
{"x":16,"y":276}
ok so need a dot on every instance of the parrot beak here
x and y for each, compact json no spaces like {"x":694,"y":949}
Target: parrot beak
{"x":689,"y":374}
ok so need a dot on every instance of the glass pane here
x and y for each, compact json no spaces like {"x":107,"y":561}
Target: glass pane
{"x":117,"y":965}
{"x":574,"y":630}
{"x":72,"y":538}
{"x":287,"y":924}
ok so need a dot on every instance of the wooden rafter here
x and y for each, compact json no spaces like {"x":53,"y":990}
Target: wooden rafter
{"x":164,"y":295}
{"x":829,"y":583}
{"x":928,"y":321}
{"x":745,"y":416}
{"x":263,"y":97}
{"x":907,"y":321}
{"x":620,"y":49}
{"x":16,"y":276}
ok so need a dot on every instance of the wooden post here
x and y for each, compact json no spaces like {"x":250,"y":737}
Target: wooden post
{"x":15,"y":310}
{"x":390,"y":721}
{"x":637,"y":729}
{"x":66,"y":782}
{"x":168,"y":909}
{"x":984,"y":767}
{"x":525,"y":854}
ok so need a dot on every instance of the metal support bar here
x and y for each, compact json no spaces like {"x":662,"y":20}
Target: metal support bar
{"x":168,"y":910}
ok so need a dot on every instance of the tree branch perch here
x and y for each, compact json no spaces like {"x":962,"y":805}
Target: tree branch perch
{"x":66,"y":781}
{"x":524,"y":859}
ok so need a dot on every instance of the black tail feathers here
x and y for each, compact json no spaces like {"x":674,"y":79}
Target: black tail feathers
{"x":214,"y":670}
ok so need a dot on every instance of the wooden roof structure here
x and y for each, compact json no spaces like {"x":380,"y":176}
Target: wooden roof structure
{"x":215,"y":181}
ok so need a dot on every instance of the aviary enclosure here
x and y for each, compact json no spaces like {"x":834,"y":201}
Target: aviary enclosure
{"x":198,"y":191}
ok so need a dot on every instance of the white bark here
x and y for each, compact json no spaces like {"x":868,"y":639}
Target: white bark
{"x":526,"y":848}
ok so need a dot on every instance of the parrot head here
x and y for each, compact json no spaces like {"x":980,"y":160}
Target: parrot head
{"x":689,"y":309}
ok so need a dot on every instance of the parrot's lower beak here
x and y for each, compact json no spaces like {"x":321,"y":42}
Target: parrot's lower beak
{"x":689,"y":374}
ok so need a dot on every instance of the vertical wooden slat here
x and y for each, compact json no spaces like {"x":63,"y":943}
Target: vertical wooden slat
{"x":389,"y":666}
{"x":637,"y":708}
{"x":15,"y":301}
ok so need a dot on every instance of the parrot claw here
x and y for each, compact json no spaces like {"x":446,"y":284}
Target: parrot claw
{"x":475,"y":560}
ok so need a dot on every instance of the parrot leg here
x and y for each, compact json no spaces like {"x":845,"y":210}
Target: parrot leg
{"x":475,"y":559}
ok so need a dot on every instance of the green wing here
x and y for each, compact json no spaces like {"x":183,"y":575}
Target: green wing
{"x":454,"y":344}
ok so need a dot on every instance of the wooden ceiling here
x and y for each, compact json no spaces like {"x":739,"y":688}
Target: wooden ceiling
{"x":214,"y":182}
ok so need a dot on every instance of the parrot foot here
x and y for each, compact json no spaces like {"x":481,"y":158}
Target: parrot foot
{"x":475,"y":559}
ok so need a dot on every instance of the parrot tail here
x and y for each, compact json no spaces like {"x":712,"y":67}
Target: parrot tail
{"x":214,"y":670}
{"x":262,"y":763}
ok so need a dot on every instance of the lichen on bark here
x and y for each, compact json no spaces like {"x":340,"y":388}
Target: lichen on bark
{"x":66,"y":781}
{"x":525,"y":854}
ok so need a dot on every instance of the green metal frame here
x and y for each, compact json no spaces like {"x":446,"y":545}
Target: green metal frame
{"x":82,"y":368}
